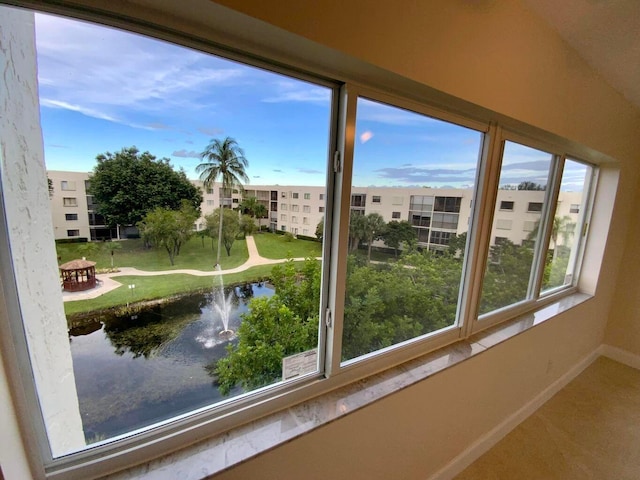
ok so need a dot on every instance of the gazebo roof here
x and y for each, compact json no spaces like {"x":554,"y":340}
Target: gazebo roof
{"x":77,"y":265}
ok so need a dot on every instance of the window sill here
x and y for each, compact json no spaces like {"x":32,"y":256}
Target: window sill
{"x":240,"y":444}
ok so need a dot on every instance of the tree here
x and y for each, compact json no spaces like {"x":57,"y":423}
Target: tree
{"x":457,"y":244}
{"x":229,"y":233}
{"x":111,"y":247}
{"x":275,"y":327}
{"x":247,"y":225}
{"x":357,"y":230}
{"x":252,"y":207}
{"x":396,"y":233}
{"x":128,"y":184}
{"x":373,"y":230}
{"x":223,"y":159}
{"x":320,"y":229}
{"x":527,"y":185}
{"x":168,"y":228}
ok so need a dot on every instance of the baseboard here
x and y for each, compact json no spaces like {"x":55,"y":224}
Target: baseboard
{"x":489,"y":439}
{"x":620,"y":355}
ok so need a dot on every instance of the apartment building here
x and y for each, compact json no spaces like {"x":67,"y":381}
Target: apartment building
{"x":436,"y":214}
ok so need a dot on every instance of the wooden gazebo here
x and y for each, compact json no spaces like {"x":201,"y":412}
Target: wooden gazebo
{"x":78,"y":275}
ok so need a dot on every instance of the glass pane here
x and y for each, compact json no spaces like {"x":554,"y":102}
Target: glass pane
{"x":515,"y":233}
{"x":567,"y":224}
{"x":182,"y":285}
{"x":406,"y":248}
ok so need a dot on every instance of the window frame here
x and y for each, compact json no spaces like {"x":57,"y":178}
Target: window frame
{"x":202,"y":423}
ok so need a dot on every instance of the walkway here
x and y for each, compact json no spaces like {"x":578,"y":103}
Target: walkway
{"x":107,"y":283}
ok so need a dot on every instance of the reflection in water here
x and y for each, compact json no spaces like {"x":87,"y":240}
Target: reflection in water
{"x":135,"y":371}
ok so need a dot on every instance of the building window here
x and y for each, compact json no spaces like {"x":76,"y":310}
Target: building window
{"x":395,"y":215}
{"x":320,"y":209}
{"x":504,"y":224}
{"x":283,"y":228}
{"x":358,"y":200}
{"x":66,"y":185}
{"x":294,"y":219}
{"x":307,"y":196}
{"x":70,"y":216}
{"x":294,"y":208}
{"x":283,"y":206}
{"x":574,"y":208}
{"x":283,"y":194}
{"x":283,"y":217}
{"x":305,"y":220}
{"x":306,"y":209}
{"x":70,"y":201}
{"x":440,"y":238}
{"x":294,"y":195}
{"x":73,"y":233}
{"x":447,"y":204}
{"x":505,"y":205}
{"x":375,"y":198}
{"x":210,"y":203}
{"x":321,"y":196}
{"x":534,"y":207}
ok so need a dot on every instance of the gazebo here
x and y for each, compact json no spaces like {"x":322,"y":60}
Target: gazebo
{"x":78,"y":275}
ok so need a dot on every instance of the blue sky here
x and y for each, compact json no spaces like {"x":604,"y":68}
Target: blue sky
{"x":103,"y":89}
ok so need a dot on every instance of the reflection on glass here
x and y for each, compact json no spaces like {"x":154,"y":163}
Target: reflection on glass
{"x":214,"y":141}
{"x":413,"y":180}
{"x":568,"y":219}
{"x":516,"y":226}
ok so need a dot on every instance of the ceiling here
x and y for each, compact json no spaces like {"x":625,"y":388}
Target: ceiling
{"x":606,"y":33}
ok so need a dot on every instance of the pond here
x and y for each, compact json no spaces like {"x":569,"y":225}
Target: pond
{"x":133,"y":371}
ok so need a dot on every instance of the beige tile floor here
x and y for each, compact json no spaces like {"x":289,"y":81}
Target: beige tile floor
{"x":589,"y":430}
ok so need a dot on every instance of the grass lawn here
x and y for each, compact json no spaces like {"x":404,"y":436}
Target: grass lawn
{"x":271,"y":245}
{"x":193,"y":255}
{"x":161,"y":286}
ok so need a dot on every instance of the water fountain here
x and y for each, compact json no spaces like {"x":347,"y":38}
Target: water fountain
{"x":222,"y":305}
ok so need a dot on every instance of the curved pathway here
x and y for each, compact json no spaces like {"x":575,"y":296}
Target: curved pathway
{"x":107,"y":282}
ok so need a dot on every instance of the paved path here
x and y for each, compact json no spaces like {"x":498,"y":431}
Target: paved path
{"x":107,"y":282}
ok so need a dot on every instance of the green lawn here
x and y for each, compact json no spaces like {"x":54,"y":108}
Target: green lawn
{"x":194,"y":255}
{"x":271,"y":245}
{"x":161,"y":286}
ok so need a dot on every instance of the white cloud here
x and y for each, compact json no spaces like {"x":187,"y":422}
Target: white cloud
{"x":106,"y":73}
{"x":288,"y":91}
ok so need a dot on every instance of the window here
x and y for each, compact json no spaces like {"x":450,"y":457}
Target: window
{"x":508,"y":275}
{"x":236,"y":200}
{"x":401,"y":310}
{"x":210,"y":191}
{"x":504,"y":224}
{"x":70,"y":216}
{"x":534,"y":207}
{"x":412,"y":301}
{"x":66,"y":185}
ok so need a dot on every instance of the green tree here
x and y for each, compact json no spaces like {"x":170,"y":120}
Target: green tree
{"x":457,"y":244}
{"x":527,"y":185}
{"x":111,"y":247}
{"x":357,"y":230}
{"x":397,"y":233}
{"x":320,"y":229}
{"x":228,"y":233}
{"x":223,"y":159}
{"x":128,"y":184}
{"x":252,"y":207}
{"x":247,"y":226}
{"x":274,"y":327}
{"x":88,"y":248}
{"x":168,"y":228}
{"x":373,"y":230}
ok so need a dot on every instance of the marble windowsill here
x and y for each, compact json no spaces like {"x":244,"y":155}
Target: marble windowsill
{"x":232,"y":447}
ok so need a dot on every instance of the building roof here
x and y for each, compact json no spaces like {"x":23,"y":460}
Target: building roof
{"x":77,"y":264}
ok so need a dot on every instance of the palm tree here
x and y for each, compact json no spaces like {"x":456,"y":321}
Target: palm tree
{"x":223,"y":159}
{"x":373,"y":230}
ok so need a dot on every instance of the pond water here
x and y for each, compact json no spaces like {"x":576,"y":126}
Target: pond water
{"x":133,"y":371}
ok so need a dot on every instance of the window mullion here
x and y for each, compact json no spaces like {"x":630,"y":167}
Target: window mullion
{"x":478,"y":249}
{"x":343,"y":169}
{"x":546,"y":227}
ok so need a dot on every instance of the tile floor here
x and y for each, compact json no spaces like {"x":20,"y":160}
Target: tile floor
{"x":590,"y":430}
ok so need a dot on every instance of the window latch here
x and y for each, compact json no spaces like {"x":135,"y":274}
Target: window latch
{"x":327,"y":317}
{"x":336,"y":162}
